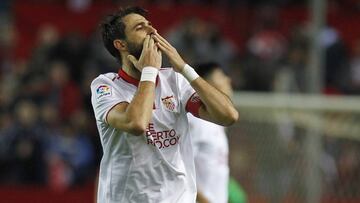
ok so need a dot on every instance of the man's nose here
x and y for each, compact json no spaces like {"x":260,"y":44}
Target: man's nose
{"x":151,"y":29}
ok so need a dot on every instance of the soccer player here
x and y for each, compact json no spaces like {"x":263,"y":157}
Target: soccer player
{"x":141,"y":115}
{"x":210,"y":144}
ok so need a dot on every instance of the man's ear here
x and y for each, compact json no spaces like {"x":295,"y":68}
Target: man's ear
{"x":120,"y":45}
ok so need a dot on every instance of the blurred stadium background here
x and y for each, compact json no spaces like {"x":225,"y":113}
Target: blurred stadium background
{"x":295,"y":66}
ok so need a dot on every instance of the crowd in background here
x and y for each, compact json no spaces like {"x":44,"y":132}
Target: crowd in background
{"x":47,"y":128}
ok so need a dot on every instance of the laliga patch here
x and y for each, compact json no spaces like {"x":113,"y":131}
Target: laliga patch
{"x":103,"y":91}
{"x":169,"y":103}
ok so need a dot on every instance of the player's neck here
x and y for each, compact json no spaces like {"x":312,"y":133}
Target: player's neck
{"x":130,"y":69}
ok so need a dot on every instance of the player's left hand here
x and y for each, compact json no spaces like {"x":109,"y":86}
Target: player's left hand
{"x":174,"y":57}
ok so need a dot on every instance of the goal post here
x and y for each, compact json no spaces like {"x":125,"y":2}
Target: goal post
{"x":270,"y":153}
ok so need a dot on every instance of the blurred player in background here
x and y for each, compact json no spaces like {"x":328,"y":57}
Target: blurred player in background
{"x":210,"y":144}
{"x":141,"y":115}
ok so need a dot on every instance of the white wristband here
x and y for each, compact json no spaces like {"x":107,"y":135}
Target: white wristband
{"x":149,"y":74}
{"x":189,"y":73}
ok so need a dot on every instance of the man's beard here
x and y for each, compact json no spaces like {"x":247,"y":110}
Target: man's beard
{"x":135,"y":49}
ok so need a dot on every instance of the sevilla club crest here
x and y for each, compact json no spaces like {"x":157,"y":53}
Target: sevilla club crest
{"x":169,"y":102}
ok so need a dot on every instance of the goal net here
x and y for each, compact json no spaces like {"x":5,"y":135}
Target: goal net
{"x":296,"y":148}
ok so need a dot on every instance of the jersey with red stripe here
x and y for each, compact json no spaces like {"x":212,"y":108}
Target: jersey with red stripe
{"x":157,"y":166}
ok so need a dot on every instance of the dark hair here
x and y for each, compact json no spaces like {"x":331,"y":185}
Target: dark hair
{"x":113,"y":28}
{"x":205,"y":69}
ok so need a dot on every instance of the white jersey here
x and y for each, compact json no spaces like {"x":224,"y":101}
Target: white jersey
{"x":157,"y":167}
{"x":210,"y":146}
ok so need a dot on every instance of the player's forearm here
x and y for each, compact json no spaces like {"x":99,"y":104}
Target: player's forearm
{"x":140,"y":109}
{"x":218,"y":106}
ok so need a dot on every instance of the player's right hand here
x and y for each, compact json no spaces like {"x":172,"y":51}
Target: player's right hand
{"x":150,"y":55}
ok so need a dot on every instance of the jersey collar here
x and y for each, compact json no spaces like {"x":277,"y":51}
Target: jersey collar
{"x":130,"y":79}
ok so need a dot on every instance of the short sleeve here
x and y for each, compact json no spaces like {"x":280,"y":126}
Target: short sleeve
{"x":190,"y":100}
{"x":104,"y":96}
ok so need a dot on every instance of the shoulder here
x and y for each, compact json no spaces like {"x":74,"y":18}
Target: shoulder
{"x":106,"y":78}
